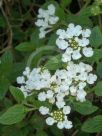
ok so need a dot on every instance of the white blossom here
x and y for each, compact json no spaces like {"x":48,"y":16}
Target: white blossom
{"x":46,"y":20}
{"x":42,"y":96}
{"x":43,"y":110}
{"x":88,"y":52}
{"x":50,"y":121}
{"x":74,"y":41}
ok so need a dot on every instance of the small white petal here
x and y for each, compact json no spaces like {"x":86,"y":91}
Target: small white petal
{"x":50,"y":121}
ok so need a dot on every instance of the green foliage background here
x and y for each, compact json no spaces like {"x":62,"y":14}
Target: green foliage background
{"x":20,"y":47}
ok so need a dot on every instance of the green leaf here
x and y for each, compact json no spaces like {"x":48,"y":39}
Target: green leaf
{"x":17,"y":94}
{"x":38,"y":122}
{"x":6,"y":64}
{"x":25,"y":47}
{"x":52,"y":40}
{"x":54,"y":63}
{"x":35,"y":39}
{"x":37,"y":55}
{"x":99,"y":69}
{"x":41,"y":133}
{"x":17,"y":70}
{"x":55,"y":131}
{"x":93,"y":125}
{"x":13,"y":115}
{"x":4,"y":85}
{"x":79,"y":19}
{"x":85,"y":108}
{"x":65,"y":3}
{"x":98,"y":89}
{"x":96,"y":37}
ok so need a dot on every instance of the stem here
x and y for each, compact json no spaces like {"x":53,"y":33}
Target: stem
{"x":75,"y":133}
{"x":9,"y":27}
{"x":80,"y":3}
{"x":87,"y":3}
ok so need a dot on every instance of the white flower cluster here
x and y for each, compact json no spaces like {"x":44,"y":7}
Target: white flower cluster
{"x":57,"y":116}
{"x":64,"y":83}
{"x":74,"y":42}
{"x":46,"y":19}
{"x":70,"y":81}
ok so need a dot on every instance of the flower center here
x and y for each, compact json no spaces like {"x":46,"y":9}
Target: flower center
{"x":58,"y":115}
{"x":73,"y":43}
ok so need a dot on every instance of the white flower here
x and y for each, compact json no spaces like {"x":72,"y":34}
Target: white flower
{"x":73,"y":90}
{"x":50,"y":121}
{"x":86,"y":33}
{"x":49,"y":94}
{"x":51,"y":9}
{"x":62,"y":44}
{"x":76,"y":55}
{"x":42,"y":96}
{"x":52,"y":100}
{"x":88,"y":52}
{"x":60,"y":125}
{"x":66,"y":109}
{"x":60,"y":104}
{"x":26,"y":72}
{"x":67,"y":124}
{"x":43,"y":110}
{"x":82,"y":85}
{"x":46,"y":19}
{"x":20,"y":80}
{"x":91,"y":78}
{"x":66,"y":57}
{"x":83,"y":42}
{"x":53,"y":20}
{"x":81,"y":95}
{"x":73,"y":40}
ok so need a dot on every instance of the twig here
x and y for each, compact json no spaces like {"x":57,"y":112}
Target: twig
{"x":9,"y":27}
{"x":99,"y":134}
{"x":87,"y":3}
{"x":5,"y":49}
{"x":75,"y":132}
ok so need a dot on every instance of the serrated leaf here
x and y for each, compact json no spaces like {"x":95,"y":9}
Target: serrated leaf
{"x":52,"y":40}
{"x":98,"y":88}
{"x":35,"y":39}
{"x":6,"y":64}
{"x":96,"y":37}
{"x":99,"y":69}
{"x":13,"y":115}
{"x":93,"y":125}
{"x":25,"y":47}
{"x":37,"y":55}
{"x":85,"y":108}
{"x":17,"y":94}
{"x":4,"y":85}
{"x":79,"y":20}
{"x":54,"y":63}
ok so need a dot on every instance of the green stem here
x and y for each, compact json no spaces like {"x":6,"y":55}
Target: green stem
{"x":87,"y":3}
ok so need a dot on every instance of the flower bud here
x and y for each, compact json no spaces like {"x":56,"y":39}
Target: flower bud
{"x":95,"y":10}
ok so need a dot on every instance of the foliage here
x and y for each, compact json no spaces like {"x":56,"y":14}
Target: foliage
{"x":20,"y":46}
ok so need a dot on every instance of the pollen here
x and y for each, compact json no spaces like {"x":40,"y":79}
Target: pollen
{"x":73,"y":43}
{"x":58,"y":115}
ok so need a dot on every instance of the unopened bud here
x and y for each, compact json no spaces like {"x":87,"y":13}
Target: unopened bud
{"x":95,"y":10}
